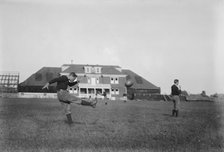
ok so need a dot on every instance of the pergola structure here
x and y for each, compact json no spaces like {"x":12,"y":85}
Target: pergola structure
{"x":9,"y":82}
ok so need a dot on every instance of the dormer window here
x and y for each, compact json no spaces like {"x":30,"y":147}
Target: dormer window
{"x":91,"y":69}
{"x":98,"y":69}
{"x":88,"y":69}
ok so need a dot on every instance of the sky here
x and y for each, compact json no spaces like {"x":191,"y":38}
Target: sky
{"x":161,"y":40}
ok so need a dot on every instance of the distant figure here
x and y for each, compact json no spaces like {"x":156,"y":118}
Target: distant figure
{"x":175,"y":92}
{"x":96,"y":97}
{"x":125,"y":97}
{"x":63,"y":94}
{"x":105,"y":97}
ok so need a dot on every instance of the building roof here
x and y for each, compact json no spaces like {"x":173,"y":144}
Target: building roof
{"x":45,"y":74}
{"x":139,"y":82}
{"x":106,"y":69}
{"x":41,"y":77}
{"x":92,"y":65}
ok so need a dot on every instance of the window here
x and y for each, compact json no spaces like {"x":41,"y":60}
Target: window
{"x":75,"y":90}
{"x":117,"y":91}
{"x":92,"y":69}
{"x":114,"y":80}
{"x":87,"y":69}
{"x":98,"y":90}
{"x":88,"y":80}
{"x":97,"y":80}
{"x":83,"y":90}
{"x":97,"y":69}
{"x":112,"y":91}
{"x":91,"y":91}
{"x":107,"y":91}
{"x":70,"y":90}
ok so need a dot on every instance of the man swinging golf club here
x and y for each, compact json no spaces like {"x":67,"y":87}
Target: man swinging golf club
{"x":63,"y":95}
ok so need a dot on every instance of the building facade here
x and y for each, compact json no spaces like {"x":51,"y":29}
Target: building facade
{"x":97,"y":79}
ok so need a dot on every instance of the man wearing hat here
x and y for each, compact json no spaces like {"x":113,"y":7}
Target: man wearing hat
{"x":63,"y":95}
{"x":175,"y":92}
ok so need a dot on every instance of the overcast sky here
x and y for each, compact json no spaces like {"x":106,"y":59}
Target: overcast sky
{"x":159,"y":39}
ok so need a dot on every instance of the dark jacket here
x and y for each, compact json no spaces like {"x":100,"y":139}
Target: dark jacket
{"x":175,"y":90}
{"x":62,"y":82}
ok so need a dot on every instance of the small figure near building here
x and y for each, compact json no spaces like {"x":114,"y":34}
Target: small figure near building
{"x":105,"y":97}
{"x":125,"y":97}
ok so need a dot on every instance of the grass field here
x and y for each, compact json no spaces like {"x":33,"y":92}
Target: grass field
{"x":38,"y":125}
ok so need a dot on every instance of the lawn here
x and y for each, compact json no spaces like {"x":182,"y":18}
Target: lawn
{"x":38,"y":125}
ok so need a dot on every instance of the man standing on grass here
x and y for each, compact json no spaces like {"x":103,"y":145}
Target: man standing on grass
{"x":105,"y":97}
{"x":63,"y":95}
{"x":175,"y":92}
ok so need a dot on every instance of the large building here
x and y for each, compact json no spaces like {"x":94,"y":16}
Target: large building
{"x":96,"y":78}
{"x":93,"y":78}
